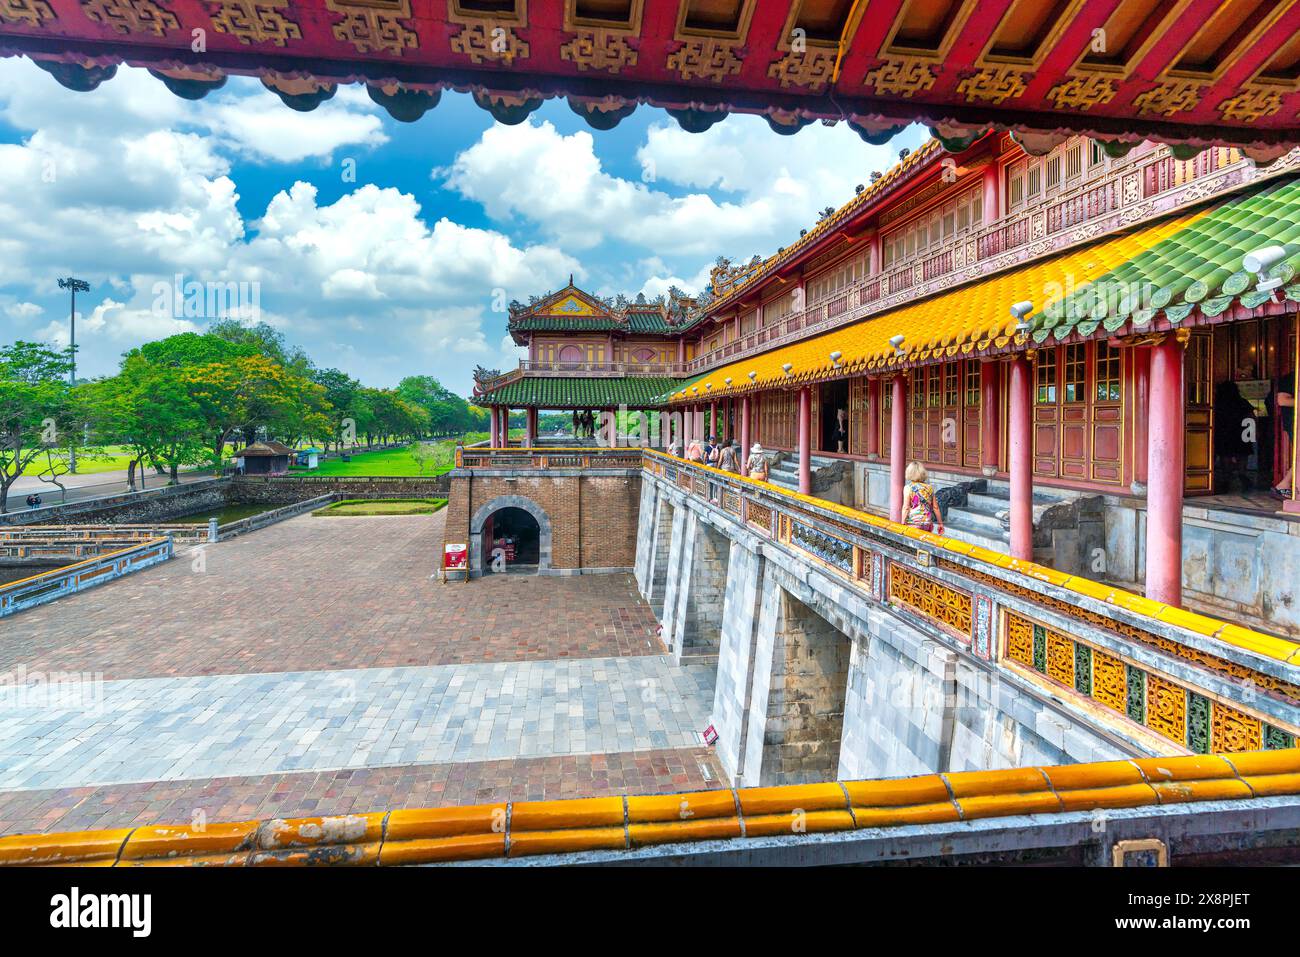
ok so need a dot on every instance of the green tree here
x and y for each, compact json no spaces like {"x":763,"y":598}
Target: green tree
{"x":149,"y":409}
{"x":35,"y":407}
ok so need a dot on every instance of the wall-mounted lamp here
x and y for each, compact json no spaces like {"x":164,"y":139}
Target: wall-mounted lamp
{"x":728,"y":381}
{"x":1260,"y":262}
{"x":708,"y":386}
{"x":752,"y":375}
{"x":835,"y":358}
{"x":897,"y":343}
{"x":786,"y":368}
{"x":1020,"y":312}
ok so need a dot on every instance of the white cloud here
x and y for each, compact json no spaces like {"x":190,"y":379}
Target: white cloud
{"x":129,"y":185}
{"x":531,"y":172}
{"x":23,"y":310}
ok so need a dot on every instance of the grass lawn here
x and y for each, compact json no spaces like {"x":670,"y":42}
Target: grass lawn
{"x":391,"y":462}
{"x":388,"y":506}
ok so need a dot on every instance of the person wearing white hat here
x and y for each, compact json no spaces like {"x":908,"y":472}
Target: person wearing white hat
{"x":756,"y":465}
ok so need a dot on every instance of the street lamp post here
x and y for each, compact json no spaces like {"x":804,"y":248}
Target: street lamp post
{"x":73,"y":286}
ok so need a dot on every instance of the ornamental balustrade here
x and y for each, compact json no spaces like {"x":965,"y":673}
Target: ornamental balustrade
{"x":46,"y":587}
{"x":542,"y":459}
{"x":545,"y":367}
{"x":1156,"y":674}
{"x":548,"y":368}
{"x":1132,"y":191}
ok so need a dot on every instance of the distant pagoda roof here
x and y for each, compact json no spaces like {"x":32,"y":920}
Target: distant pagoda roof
{"x":575,"y":310}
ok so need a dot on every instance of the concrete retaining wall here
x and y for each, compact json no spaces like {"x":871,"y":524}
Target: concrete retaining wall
{"x":815,"y":680}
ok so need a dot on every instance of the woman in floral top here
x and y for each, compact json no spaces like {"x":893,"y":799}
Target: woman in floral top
{"x":920,"y":508}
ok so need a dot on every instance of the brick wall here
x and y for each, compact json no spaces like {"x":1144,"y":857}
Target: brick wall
{"x":593,"y":517}
{"x":133,"y":508}
{"x":805,"y":706}
{"x":283,"y":491}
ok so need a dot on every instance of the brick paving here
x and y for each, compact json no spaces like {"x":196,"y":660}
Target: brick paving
{"x":206,"y":687}
{"x":323,"y":594}
{"x":355,"y":791}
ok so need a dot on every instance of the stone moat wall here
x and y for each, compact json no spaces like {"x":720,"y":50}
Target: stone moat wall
{"x":161,"y":504}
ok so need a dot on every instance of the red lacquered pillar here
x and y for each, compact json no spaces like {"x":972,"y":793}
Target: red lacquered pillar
{"x":897,"y":447}
{"x":1165,"y":474}
{"x":1021,"y":453}
{"x":805,"y":441}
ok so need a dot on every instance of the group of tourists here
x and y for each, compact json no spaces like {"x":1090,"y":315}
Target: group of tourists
{"x":725,"y":454}
{"x":921,"y":507}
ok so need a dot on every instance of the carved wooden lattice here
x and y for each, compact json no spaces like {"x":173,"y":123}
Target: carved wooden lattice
{"x":1280,"y":687}
{"x":1182,"y":715}
{"x":930,"y":599}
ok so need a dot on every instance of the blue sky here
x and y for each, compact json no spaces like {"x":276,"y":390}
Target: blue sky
{"x":382,"y":248}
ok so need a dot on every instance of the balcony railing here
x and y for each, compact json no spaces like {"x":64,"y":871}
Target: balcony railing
{"x":1138,"y":188}
{"x":542,"y":459}
{"x":543,"y":368}
{"x":998,"y":608}
{"x":546,"y":367}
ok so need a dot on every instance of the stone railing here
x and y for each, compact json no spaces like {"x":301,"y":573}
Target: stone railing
{"x":263,"y":519}
{"x":30,"y":592}
{"x":1159,"y":809}
{"x":538,"y":367}
{"x":576,"y":457}
{"x":83,"y":541}
{"x":1131,"y":192}
{"x":1159,"y":675}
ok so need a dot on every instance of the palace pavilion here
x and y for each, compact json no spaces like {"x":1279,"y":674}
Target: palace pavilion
{"x":1079,"y":346}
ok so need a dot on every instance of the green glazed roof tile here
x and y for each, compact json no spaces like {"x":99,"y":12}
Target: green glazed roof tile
{"x":562,"y":392}
{"x":1201,"y":263}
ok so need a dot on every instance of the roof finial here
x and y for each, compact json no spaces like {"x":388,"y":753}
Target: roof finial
{"x":570,"y":279}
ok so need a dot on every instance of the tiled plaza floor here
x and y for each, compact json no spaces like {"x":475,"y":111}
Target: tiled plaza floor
{"x":321,"y":594}
{"x":162,"y":729}
{"x":316,"y":666}
{"x":357,"y":791}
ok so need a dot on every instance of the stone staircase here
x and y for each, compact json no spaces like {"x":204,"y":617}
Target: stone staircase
{"x":831,"y":478}
{"x":1067,"y":528}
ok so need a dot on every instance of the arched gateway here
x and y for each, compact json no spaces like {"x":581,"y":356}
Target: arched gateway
{"x":518,"y":519}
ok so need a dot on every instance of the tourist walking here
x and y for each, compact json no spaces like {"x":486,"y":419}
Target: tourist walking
{"x":756,"y":467}
{"x":727,"y":457}
{"x":920,"y":507}
{"x":694,"y":451}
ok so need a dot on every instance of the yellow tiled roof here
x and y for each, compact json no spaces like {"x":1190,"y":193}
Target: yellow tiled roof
{"x":948,"y":325}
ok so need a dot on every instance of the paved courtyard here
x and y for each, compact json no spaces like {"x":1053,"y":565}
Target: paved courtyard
{"x":317,"y":666}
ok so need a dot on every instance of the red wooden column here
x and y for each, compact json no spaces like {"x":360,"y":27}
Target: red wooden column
{"x":990,"y":418}
{"x":492,"y":425}
{"x":744,"y":434}
{"x":991,"y":177}
{"x":805,"y":441}
{"x":1141,"y":411}
{"x":1020,"y":447}
{"x":1165,"y":473}
{"x":713,"y":418}
{"x":897,"y":447}
{"x":1293,"y":503}
{"x":873,"y":419}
